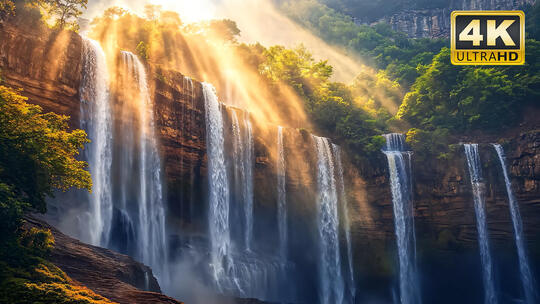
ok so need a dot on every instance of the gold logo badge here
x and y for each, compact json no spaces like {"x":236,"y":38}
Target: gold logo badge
{"x":487,"y":37}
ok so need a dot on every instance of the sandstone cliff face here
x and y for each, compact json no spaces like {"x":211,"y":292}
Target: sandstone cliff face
{"x":432,"y":23}
{"x":112,"y":275}
{"x":46,"y":65}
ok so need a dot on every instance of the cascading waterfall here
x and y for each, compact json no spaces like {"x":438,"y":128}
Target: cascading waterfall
{"x":403,"y":216}
{"x":473,"y":163}
{"x":97,"y":122}
{"x":235,"y":271}
{"x":330,"y":274}
{"x":345,"y":217}
{"x":527,"y":278}
{"x":281,"y":197}
{"x":152,"y":246}
{"x":219,"y":187}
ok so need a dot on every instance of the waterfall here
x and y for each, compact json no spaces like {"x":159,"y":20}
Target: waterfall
{"x":97,"y":122}
{"x":473,"y":163}
{"x":331,"y":280}
{"x":219,"y":186}
{"x":152,"y":247}
{"x":345,"y":216}
{"x":239,"y":272}
{"x":524,"y":268}
{"x":400,"y":184}
{"x":243,"y":170}
{"x":248,"y":180}
{"x":281,"y":197}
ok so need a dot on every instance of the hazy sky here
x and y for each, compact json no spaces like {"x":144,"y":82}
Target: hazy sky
{"x":189,"y":10}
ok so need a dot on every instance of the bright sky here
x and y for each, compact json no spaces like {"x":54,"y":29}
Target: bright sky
{"x":257,"y":20}
{"x":189,"y":10}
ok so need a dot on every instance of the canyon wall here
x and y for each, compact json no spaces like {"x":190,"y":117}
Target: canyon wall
{"x":435,"y":22}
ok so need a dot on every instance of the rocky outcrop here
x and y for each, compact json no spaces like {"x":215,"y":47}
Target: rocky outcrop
{"x":435,"y":22}
{"x":112,"y":275}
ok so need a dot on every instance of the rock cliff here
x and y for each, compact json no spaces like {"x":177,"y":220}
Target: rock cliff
{"x":112,"y":275}
{"x":435,"y":22}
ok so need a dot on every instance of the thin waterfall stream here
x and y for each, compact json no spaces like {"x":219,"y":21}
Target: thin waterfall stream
{"x":330,"y":273}
{"x":281,"y":197}
{"x":527,"y":278}
{"x":475,"y":172}
{"x":346,"y":221}
{"x":400,"y":184}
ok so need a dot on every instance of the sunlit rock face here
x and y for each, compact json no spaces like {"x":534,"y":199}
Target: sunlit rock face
{"x":433,"y":23}
{"x":46,"y":65}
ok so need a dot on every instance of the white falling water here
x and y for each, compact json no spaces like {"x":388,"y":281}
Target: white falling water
{"x":236,"y":271}
{"x":97,"y":122}
{"x":527,"y":278}
{"x":218,"y":216}
{"x":152,"y":244}
{"x":330,"y":277}
{"x":345,"y":217}
{"x":473,"y":163}
{"x":248,"y":180}
{"x":403,"y":216}
{"x":281,"y":197}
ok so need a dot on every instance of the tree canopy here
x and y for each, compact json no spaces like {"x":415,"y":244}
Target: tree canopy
{"x":37,"y":157}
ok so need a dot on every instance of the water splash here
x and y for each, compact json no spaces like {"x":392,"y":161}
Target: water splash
{"x":527,"y":278}
{"x":403,"y":216}
{"x":96,"y":120}
{"x":473,"y":163}
{"x":345,"y":217}
{"x":330,"y":276}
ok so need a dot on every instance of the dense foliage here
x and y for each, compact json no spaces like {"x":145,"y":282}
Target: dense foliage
{"x":331,"y":105}
{"x":37,"y":157}
{"x":379,"y":44}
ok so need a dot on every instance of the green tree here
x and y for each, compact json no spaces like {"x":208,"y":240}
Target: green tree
{"x":7,"y":8}
{"x":37,"y":157}
{"x":66,"y":12}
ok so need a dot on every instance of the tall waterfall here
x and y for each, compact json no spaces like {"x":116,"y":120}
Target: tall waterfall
{"x":473,"y":163}
{"x":152,"y":246}
{"x":281,"y":196}
{"x":403,"y":216}
{"x":345,"y":217}
{"x":237,"y":271}
{"x":330,"y":275}
{"x":248,"y":180}
{"x":219,"y":186}
{"x":527,"y":278}
{"x":97,"y":122}
{"x":243,"y":170}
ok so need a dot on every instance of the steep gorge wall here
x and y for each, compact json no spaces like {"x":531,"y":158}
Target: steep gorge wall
{"x":435,"y":22}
